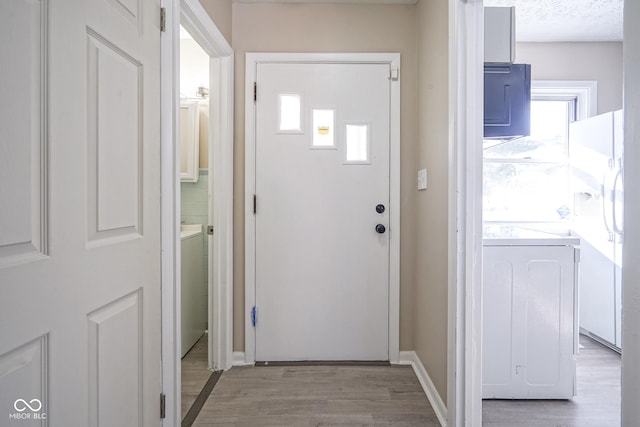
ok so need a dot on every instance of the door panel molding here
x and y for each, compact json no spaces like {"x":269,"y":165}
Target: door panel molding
{"x":24,"y":216}
{"x":114,"y":145}
{"x":114,"y":354}
{"x":24,"y":374}
{"x":252,"y":60}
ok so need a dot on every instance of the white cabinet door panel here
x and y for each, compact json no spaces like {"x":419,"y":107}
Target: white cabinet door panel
{"x":528,"y":322}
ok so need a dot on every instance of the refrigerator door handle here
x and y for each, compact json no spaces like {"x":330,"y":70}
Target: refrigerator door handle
{"x":604,"y":207}
{"x":617,"y":228}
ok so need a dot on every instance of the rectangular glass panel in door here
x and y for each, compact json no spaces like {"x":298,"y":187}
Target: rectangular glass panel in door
{"x":322,"y":269}
{"x":289,"y":113}
{"x":357,"y":143}
{"x":323,"y":128}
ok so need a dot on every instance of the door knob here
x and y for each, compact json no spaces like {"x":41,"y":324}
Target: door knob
{"x":380,"y":208}
{"x":380,"y":229}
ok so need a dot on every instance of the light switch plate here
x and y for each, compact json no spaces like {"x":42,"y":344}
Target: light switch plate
{"x":422,"y":179}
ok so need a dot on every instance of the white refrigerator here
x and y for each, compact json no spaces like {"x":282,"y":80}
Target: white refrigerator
{"x":596,"y":157}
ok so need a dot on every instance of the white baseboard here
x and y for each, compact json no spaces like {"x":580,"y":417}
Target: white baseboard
{"x":411,"y":358}
{"x":238,"y":359}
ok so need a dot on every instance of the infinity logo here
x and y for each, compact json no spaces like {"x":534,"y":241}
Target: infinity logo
{"x":21,"y":405}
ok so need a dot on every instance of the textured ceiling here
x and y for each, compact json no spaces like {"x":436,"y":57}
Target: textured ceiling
{"x":566,"y":20}
{"x":539,"y":20}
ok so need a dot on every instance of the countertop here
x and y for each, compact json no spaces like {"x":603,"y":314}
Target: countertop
{"x":511,"y":235}
{"x":190,"y":230}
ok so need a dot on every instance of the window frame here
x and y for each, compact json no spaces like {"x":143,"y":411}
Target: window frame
{"x":583,"y":95}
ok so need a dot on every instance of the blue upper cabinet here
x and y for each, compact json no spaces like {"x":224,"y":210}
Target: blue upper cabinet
{"x":507,"y":100}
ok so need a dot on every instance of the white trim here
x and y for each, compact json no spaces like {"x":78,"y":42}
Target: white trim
{"x":631,"y":247}
{"x":585,"y":90}
{"x":195,"y":19}
{"x":393,"y":59}
{"x":464,"y":362}
{"x":412,"y":358}
{"x":221,"y":214}
{"x":170,"y":212}
{"x":197,"y":22}
{"x":239,"y":359}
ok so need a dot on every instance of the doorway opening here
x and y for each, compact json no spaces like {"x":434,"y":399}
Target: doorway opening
{"x":539,"y":197}
{"x":215,"y":212}
{"x":194,"y":218}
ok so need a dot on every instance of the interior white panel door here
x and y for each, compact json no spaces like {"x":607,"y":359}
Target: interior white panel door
{"x":322,"y":167}
{"x":80,"y":215}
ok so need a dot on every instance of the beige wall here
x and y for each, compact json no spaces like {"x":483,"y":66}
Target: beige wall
{"x":430,"y":330}
{"x":578,"y":61}
{"x":331,"y":28}
{"x":220,"y":13}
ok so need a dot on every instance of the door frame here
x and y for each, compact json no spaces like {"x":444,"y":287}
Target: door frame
{"x":631,"y":248}
{"x":466,"y":51}
{"x":466,"y":105}
{"x":193,"y":17}
{"x":252,"y":60}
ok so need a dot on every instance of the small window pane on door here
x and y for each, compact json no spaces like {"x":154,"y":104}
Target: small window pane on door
{"x":323,"y":128}
{"x":357,"y":139}
{"x":289,"y":113}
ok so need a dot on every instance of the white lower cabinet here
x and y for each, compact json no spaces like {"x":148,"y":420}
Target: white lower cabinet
{"x":193,"y":282}
{"x":529,"y":322}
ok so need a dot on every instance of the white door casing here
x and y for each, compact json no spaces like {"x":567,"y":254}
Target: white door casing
{"x":631,"y":250}
{"x":80,"y":222}
{"x":464,"y":361}
{"x":197,"y":22}
{"x":335,"y":303}
{"x":191,"y":15}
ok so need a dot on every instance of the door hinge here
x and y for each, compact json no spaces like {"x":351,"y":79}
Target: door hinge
{"x":210,"y":230}
{"x":254,"y":316}
{"x":163,"y":405}
{"x":255,"y":91}
{"x":163,"y":19}
{"x":254,"y":204}
{"x":394,"y":73}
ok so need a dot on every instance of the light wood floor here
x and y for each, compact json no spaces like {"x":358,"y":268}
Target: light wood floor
{"x":318,"y":396}
{"x":597,"y":403}
{"x":386,"y":396}
{"x":194,"y":373}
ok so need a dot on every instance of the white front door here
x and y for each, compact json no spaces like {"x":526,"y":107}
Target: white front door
{"x":79,"y":213}
{"x":322,"y":217}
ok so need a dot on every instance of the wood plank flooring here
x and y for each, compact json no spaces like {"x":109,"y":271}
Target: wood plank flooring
{"x":194,"y":373}
{"x":597,"y":403}
{"x":388,"y":396}
{"x":318,"y":396}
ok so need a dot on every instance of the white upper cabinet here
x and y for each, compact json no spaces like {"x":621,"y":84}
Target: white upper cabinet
{"x":500,"y":34}
{"x":189,"y":141}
